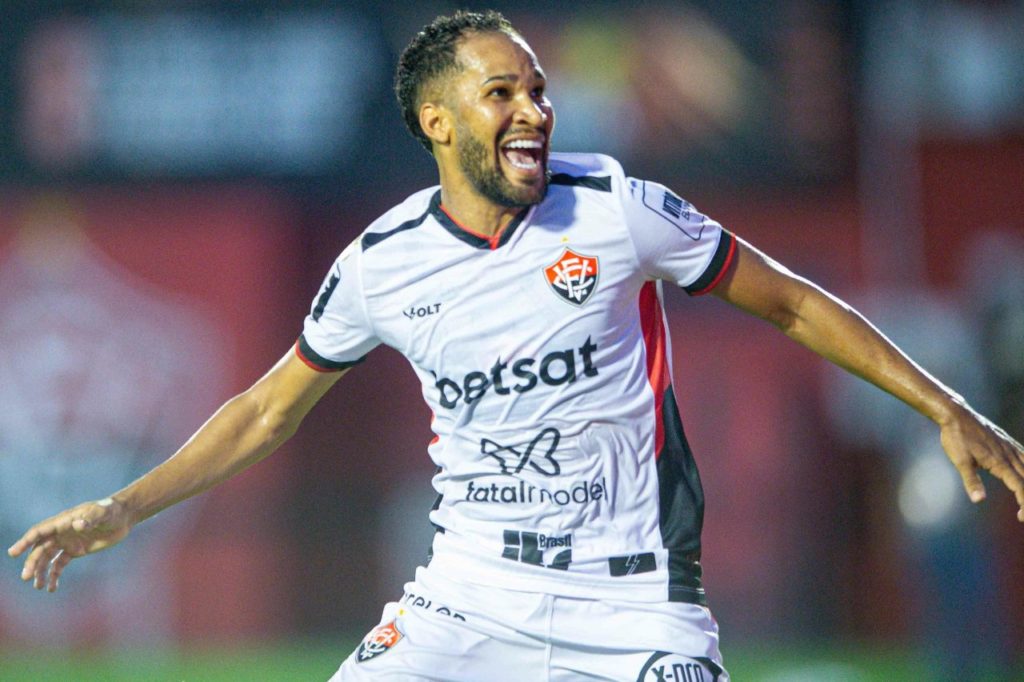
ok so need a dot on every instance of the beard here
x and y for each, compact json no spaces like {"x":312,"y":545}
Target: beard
{"x":490,"y":182}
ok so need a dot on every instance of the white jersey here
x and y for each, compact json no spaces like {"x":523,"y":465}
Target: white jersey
{"x":544,"y":356}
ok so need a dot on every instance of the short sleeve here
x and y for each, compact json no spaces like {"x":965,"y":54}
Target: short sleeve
{"x":673,"y":240}
{"x":337,"y":333}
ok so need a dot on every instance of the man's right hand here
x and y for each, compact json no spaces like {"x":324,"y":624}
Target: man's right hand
{"x":81,"y":530}
{"x":243,"y":431}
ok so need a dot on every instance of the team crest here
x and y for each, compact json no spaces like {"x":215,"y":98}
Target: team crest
{"x":573,"y":276}
{"x":378,"y":642}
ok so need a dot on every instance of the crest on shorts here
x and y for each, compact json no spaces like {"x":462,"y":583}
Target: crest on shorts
{"x":573,"y":276}
{"x":378,"y":642}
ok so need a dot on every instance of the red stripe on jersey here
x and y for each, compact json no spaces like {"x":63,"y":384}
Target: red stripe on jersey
{"x":309,"y":363}
{"x":652,"y":323}
{"x":721,"y":273}
{"x":436,"y":437}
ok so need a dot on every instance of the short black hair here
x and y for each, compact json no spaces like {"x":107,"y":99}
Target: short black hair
{"x":431,"y":53}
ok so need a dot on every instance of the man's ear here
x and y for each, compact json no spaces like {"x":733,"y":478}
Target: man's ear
{"x":435,"y":120}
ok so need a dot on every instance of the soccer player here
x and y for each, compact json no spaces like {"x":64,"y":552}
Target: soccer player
{"x":525,"y":291}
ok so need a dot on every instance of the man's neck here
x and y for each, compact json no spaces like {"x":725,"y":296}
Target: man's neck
{"x":476,"y":213}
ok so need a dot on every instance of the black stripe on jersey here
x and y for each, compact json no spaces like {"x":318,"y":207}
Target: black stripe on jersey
{"x":684,"y":579}
{"x":321,"y":303}
{"x":681,"y":508}
{"x":718,"y":262}
{"x":374,"y":238}
{"x":310,"y":355}
{"x":464,"y":235}
{"x":602,"y":183}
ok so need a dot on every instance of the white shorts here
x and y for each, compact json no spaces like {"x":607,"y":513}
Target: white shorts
{"x":446,"y":631}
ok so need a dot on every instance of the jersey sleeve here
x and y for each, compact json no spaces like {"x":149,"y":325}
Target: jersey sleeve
{"x":673,"y":240}
{"x":337,"y":333}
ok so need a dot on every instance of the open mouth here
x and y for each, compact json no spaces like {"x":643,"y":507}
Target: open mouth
{"x":524,"y":155}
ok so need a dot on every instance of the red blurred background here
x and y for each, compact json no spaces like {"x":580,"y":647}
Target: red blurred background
{"x":769,"y":121}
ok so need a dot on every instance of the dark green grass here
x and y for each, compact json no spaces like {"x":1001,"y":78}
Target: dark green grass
{"x":249,"y":663}
{"x":317,"y":661}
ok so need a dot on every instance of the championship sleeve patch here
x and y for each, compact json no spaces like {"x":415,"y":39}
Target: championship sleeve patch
{"x":672,"y":208}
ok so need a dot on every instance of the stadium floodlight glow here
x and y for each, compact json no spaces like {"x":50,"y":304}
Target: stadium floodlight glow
{"x":930,"y":492}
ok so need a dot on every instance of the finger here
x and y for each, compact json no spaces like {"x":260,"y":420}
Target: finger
{"x":972,"y":481}
{"x":1009,"y":471}
{"x":30,"y":538}
{"x":1006,"y":470}
{"x":1018,"y":491}
{"x":44,"y":566}
{"x":31,"y":562}
{"x":43,"y":555}
{"x":1017,"y":462}
{"x":56,"y":569}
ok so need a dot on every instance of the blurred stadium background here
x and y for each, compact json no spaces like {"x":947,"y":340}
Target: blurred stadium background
{"x":176,"y":178}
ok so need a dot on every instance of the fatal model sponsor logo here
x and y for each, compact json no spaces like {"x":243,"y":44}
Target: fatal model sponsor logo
{"x":519,"y":376}
{"x":580,"y":493}
{"x":380,"y":640}
{"x":539,"y":454}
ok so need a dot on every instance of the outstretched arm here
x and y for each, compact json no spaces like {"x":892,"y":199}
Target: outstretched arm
{"x":837,"y":332}
{"x":243,"y":431}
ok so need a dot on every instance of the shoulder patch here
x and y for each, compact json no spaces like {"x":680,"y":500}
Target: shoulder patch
{"x":673,"y":208}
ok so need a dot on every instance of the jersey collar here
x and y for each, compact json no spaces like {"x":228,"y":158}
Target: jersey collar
{"x":467,"y":235}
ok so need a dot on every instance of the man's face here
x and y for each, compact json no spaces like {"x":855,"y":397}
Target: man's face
{"x":503,"y":121}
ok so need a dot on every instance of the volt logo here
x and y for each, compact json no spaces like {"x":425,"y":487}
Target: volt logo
{"x":422,"y":310}
{"x":573,"y":276}
{"x":528,"y":548}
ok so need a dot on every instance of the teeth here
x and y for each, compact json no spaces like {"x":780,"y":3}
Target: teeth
{"x":524,"y":144}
